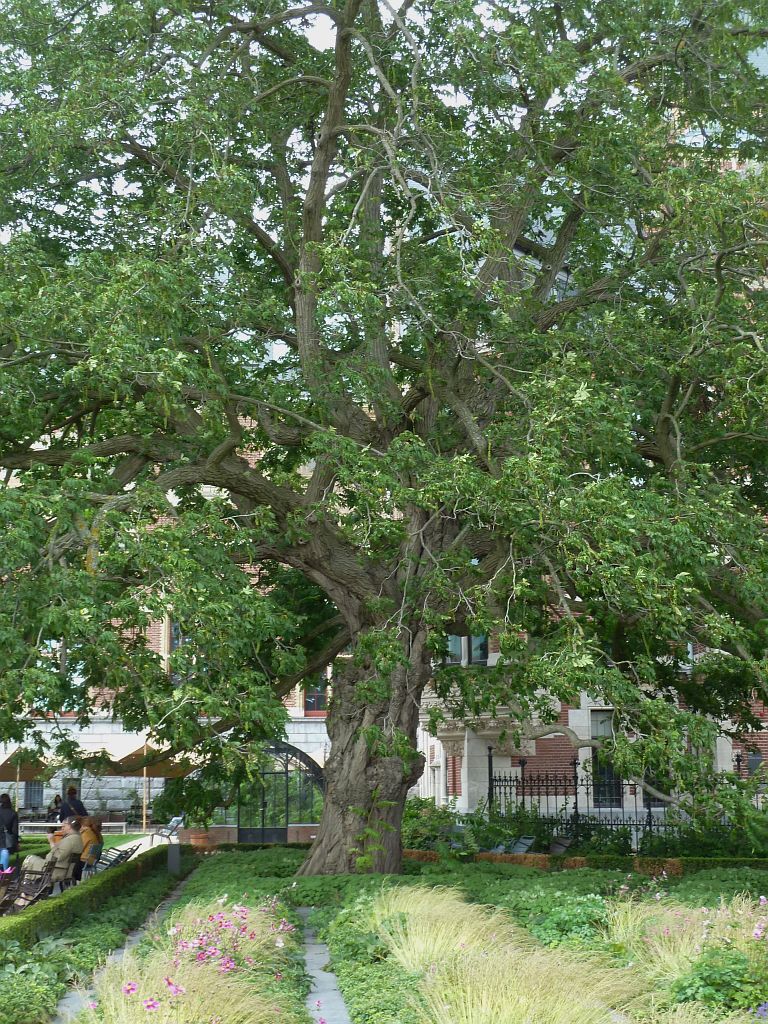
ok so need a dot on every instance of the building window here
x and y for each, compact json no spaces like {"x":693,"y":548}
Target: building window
{"x":754,"y":763}
{"x":178,"y":637}
{"x":453,"y":655}
{"x":453,"y":776}
{"x":653,"y":801}
{"x":478,"y":650}
{"x":607,"y":786}
{"x":33,"y":795}
{"x":316,"y":699}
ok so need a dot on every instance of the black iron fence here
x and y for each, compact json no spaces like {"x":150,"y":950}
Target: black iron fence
{"x":589,"y":800}
{"x":576,"y":797}
{"x":579,"y":802}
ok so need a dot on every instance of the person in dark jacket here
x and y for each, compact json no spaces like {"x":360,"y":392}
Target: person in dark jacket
{"x":9,"y":831}
{"x":72,"y":807}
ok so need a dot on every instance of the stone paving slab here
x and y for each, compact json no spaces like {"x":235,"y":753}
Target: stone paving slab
{"x":325,"y":985}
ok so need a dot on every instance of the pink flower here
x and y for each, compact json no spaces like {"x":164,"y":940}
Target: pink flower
{"x":92,"y":1004}
{"x":763,"y":901}
{"x":318,"y":1004}
{"x":278,"y":976}
{"x":174,"y":989}
{"x":227,"y":965}
{"x":322,"y":1020}
{"x":129,"y":988}
{"x":151,"y":1004}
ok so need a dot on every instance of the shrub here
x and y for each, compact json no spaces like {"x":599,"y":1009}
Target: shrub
{"x":425,"y":824}
{"x":723,"y":977}
{"x":51,"y":916}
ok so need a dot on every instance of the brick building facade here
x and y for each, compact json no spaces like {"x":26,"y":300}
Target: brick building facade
{"x":457,"y":757}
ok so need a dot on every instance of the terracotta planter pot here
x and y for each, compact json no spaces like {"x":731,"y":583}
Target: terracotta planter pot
{"x":202,"y":838}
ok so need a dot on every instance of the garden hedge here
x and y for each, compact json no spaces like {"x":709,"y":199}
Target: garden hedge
{"x":263,"y":846}
{"x":52,"y":915}
{"x":606,"y":862}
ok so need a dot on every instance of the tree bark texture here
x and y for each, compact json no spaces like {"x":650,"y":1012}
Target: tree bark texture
{"x":372,"y":764}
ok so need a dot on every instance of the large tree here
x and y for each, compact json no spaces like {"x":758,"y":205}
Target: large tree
{"x":441,"y":318}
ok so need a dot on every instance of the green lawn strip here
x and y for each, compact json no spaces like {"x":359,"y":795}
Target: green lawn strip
{"x":35,"y":973}
{"x":117,"y":839}
{"x":38,"y":845}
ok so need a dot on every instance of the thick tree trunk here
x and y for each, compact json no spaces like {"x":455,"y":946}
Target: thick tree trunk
{"x":372,"y":764}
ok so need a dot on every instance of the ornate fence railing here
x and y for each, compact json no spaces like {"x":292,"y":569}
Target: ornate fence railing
{"x":581,"y":802}
{"x":576,"y":798}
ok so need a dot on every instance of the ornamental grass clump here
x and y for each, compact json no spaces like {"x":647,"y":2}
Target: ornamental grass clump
{"x":665,"y":939}
{"x":206,"y":964}
{"x":477,"y":967}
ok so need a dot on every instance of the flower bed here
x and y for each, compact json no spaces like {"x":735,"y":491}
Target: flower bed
{"x":35,"y":974}
{"x":643,"y":944}
{"x":220,"y":961}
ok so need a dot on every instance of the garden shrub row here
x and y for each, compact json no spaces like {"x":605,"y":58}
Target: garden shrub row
{"x":609,"y":862}
{"x":52,"y":915}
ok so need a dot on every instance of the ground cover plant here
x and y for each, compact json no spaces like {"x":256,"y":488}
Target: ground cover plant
{"x":609,"y":920}
{"x":430,"y":957}
{"x":649,"y":930}
{"x":35,"y":975}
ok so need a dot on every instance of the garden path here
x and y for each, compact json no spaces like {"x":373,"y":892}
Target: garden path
{"x":324,"y":1001}
{"x":75,"y":1002}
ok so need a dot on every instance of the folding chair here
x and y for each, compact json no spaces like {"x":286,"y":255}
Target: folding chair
{"x":89,"y":867}
{"x":560,"y":844}
{"x":106,"y":859}
{"x":10,"y":891}
{"x":169,"y":830}
{"x":34,"y":885}
{"x":523,"y":844}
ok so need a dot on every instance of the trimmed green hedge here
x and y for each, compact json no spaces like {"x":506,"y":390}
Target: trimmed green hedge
{"x":52,"y":915}
{"x":602,"y":862}
{"x":263,"y":846}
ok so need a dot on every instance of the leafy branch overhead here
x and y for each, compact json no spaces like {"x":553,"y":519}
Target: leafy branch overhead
{"x":440,"y":318}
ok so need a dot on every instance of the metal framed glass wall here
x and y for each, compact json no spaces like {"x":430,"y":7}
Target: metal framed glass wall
{"x":289,"y":791}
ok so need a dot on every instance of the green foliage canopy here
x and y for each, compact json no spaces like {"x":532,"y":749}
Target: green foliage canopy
{"x":448,"y":318}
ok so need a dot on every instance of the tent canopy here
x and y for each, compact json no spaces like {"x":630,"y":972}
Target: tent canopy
{"x":168,"y":768}
{"x":26,"y":768}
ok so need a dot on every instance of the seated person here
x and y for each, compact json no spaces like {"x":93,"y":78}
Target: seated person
{"x":61,"y":851}
{"x":90,"y":833}
{"x":53,"y":808}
